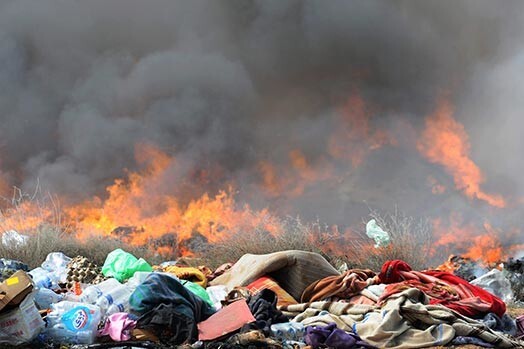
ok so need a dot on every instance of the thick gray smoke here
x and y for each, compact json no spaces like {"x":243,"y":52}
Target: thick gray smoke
{"x":234,"y":83}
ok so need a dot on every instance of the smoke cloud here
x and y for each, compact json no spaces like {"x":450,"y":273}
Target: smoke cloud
{"x":226,"y":86}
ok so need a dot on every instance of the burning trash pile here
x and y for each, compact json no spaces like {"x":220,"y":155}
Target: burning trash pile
{"x":504,"y":279}
{"x":287,"y":299}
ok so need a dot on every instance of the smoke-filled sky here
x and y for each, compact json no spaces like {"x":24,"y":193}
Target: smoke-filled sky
{"x":249,"y":93}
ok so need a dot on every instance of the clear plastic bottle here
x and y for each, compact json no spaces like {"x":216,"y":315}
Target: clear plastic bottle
{"x":44,"y":298}
{"x":61,"y":334}
{"x":92,"y":293}
{"x":137,"y":279}
{"x":73,"y":322}
{"x":41,"y":278}
{"x":119,"y":295}
{"x":118,"y":308}
{"x":45,"y":279}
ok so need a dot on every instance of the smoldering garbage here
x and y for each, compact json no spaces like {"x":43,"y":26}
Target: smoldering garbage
{"x":515,"y":273}
{"x":161,"y":307}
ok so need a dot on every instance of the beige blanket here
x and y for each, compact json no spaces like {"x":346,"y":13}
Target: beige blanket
{"x":293,"y":270}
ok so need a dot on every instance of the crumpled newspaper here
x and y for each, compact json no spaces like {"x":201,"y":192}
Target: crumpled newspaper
{"x":376,"y":233}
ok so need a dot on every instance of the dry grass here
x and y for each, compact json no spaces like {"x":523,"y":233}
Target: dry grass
{"x":51,"y":234}
{"x":411,"y":241}
{"x":48,"y":239}
{"x":295,"y":235}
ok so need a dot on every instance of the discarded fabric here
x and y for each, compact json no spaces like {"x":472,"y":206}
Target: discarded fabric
{"x":293,"y":270}
{"x":118,"y":326}
{"x":168,"y":309}
{"x":332,"y":337}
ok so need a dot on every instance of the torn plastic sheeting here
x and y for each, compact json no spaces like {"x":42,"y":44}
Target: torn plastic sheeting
{"x":376,"y":233}
{"x":12,"y":239}
{"x":496,"y":283}
{"x":122,"y":265}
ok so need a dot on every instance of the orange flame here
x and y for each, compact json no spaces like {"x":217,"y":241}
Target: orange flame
{"x":292,"y":180}
{"x":436,"y":186}
{"x":445,"y":142}
{"x":145,"y":214}
{"x":354,"y":137}
{"x":138,"y":203}
{"x":469,"y":240}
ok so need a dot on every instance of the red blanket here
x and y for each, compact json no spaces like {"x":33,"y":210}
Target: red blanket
{"x":442,"y":288}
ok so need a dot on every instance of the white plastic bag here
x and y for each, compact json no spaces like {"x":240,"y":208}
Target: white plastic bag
{"x":376,"y":233}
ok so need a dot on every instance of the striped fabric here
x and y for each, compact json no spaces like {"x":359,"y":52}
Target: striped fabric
{"x":264,"y":282}
{"x":293,"y":270}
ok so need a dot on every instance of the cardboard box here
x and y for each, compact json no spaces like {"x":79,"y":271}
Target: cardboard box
{"x":22,"y":324}
{"x":15,"y":289}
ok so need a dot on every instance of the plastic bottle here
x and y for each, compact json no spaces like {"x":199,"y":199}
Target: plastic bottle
{"x":119,"y":295}
{"x":60,"y":334}
{"x":118,"y":308}
{"x":41,"y":278}
{"x":45,"y":279}
{"x":44,"y":298}
{"x":137,"y":279}
{"x":92,"y":293}
{"x":73,"y":322}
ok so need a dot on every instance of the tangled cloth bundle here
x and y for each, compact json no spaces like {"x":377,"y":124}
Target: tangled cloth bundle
{"x":404,"y":320}
{"x":168,"y":309}
{"x":442,"y":287}
{"x":186,"y":273}
{"x":263,"y":306}
{"x":343,"y":286}
{"x":332,"y":337}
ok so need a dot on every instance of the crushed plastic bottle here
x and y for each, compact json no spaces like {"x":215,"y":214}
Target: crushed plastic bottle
{"x":119,"y":296}
{"x":137,"y":279}
{"x":92,"y":293}
{"x":44,"y":278}
{"x":71,"y":322}
{"x":44,"y":298}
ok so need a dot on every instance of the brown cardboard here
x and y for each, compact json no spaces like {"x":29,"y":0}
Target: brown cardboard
{"x":15,"y":289}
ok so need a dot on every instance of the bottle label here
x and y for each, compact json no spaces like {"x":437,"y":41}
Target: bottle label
{"x":76,"y":318}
